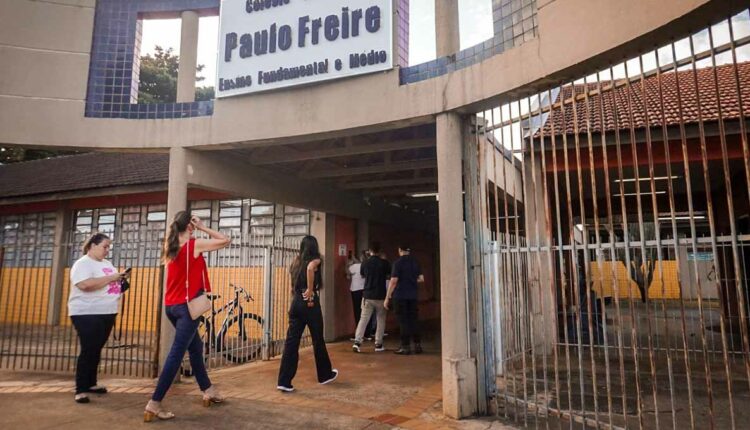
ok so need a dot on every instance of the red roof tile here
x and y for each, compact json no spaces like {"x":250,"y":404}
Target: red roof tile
{"x":706,"y":94}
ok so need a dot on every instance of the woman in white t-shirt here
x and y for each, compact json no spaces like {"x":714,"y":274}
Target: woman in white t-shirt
{"x":356,"y":287}
{"x":92,"y":306}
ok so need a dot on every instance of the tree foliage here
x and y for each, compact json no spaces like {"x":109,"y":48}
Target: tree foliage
{"x":16,"y":154}
{"x":158,"y":78}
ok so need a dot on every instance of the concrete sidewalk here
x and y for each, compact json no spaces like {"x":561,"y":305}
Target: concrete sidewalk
{"x":373,"y":391}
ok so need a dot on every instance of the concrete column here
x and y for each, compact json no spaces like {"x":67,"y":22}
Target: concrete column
{"x":447,"y":39}
{"x":322,"y":227}
{"x":541,"y":285}
{"x":188,"y":57}
{"x":176,"y":202}
{"x":59,"y":263}
{"x":458,"y":367}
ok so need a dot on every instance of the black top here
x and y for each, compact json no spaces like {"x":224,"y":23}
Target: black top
{"x":300,"y":284}
{"x":407,"y":270}
{"x":376,"y":272}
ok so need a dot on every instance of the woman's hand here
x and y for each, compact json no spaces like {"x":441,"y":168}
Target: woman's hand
{"x":307,"y":294}
{"x":198,"y":223}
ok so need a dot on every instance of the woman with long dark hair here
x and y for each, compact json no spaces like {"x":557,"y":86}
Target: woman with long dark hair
{"x":186,"y":279}
{"x":92,"y":306}
{"x":305,"y":312}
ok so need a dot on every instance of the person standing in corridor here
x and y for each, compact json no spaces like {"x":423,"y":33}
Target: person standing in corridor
{"x":405,"y":276}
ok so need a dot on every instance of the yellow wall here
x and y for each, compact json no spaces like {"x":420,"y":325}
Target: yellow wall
{"x":606,"y":285}
{"x":24,"y":295}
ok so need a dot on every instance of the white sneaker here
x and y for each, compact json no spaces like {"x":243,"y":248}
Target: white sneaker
{"x":332,"y":378}
{"x":379,"y":348}
{"x":285,"y":389}
{"x":355,"y":347}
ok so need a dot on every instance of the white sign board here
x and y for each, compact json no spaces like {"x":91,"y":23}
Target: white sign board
{"x":271,"y":44}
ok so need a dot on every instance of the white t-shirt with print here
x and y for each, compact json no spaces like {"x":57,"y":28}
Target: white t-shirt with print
{"x":358,"y":281}
{"x":100,"y":302}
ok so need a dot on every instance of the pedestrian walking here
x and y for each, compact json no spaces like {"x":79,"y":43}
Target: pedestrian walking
{"x":92,"y":306}
{"x":376,"y":271}
{"x":356,"y":287}
{"x":187,"y":278}
{"x":405,"y":276}
{"x":305,"y":312}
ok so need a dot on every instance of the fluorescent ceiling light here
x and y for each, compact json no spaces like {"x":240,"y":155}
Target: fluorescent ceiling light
{"x":423,"y":195}
{"x":680,"y":218}
{"x":657,"y":178}
{"x":643,"y":194}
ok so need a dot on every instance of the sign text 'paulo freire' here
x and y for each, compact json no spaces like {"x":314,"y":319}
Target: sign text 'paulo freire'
{"x":271,"y":44}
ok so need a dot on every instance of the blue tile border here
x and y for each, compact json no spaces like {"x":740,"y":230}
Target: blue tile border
{"x":113,"y":69}
{"x":514,"y":22}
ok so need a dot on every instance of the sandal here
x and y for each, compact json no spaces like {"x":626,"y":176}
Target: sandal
{"x":211,"y":396}
{"x":153,"y":410}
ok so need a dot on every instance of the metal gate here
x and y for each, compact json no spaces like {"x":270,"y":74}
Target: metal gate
{"x":619,"y":208}
{"x":251,"y":298}
{"x":251,"y":292}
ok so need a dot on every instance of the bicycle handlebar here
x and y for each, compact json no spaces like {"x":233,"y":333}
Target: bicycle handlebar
{"x":238,"y":289}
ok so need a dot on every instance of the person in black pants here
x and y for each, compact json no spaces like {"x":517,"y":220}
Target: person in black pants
{"x":305,"y":312}
{"x":405,"y":276}
{"x":92,"y":305}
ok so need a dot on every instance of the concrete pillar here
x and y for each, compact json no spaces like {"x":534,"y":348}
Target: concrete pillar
{"x":447,"y":39}
{"x":188,"y":57}
{"x":458,"y":367}
{"x":322,"y":227}
{"x":176,"y":202}
{"x":541,"y":286}
{"x":59,"y":263}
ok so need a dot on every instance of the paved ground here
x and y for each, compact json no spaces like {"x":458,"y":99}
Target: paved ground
{"x":374,"y":391}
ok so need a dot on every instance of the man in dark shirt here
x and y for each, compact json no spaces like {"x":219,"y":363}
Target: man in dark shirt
{"x":376,"y":272}
{"x":405,"y":276}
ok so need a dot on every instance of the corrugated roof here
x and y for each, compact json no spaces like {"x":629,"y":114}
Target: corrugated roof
{"x":82,"y":172}
{"x":705,"y":97}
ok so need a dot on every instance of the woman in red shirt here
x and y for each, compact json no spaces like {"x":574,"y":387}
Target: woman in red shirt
{"x":186,"y":278}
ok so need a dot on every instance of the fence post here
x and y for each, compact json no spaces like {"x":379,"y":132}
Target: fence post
{"x":267,"y":301}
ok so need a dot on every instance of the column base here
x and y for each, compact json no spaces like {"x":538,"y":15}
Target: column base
{"x":459,"y":387}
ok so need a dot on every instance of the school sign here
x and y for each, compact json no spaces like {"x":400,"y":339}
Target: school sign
{"x":271,"y":44}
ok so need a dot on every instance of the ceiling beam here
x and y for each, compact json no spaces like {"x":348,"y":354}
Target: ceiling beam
{"x":370,"y":170}
{"x":388,"y":183}
{"x":343,"y":152}
{"x":402,"y":191}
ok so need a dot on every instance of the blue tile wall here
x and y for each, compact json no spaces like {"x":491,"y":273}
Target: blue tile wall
{"x":113,"y":71}
{"x":514,"y":22}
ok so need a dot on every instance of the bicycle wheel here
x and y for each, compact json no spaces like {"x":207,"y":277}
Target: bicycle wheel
{"x":240,"y":340}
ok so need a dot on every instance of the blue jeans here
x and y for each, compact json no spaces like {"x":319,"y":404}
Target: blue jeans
{"x":185,"y":339}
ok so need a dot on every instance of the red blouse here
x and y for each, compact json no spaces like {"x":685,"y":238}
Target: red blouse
{"x":177,"y":272}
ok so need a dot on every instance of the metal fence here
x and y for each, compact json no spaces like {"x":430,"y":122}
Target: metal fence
{"x":619,"y":208}
{"x":251,"y":295}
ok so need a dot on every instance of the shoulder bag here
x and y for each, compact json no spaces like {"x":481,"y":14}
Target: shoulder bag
{"x":201,"y":304}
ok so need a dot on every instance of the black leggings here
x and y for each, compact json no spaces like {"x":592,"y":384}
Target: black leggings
{"x":93,"y":332}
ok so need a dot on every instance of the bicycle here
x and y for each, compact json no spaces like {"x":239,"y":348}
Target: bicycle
{"x":234,"y":339}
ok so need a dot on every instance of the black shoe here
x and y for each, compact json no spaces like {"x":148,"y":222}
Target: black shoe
{"x":379,"y":348}
{"x":417,"y":348}
{"x":82,"y":398}
{"x":355,"y":347}
{"x":334,"y":375}
{"x":402,"y":351}
{"x":285,"y":388}
{"x":97,"y":389}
